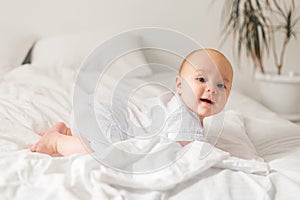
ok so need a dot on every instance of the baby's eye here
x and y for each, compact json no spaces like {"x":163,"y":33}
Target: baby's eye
{"x":221,"y":85}
{"x":201,"y":79}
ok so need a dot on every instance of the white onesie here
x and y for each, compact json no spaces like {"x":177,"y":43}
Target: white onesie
{"x":165,"y":115}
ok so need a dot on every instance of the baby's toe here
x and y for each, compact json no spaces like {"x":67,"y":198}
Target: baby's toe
{"x":42,"y":133}
{"x":33,"y":148}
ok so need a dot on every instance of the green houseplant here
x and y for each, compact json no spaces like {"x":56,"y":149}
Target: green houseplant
{"x":255,"y":23}
{"x":262,"y":27}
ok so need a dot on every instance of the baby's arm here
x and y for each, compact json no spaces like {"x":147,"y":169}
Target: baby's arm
{"x":56,"y":143}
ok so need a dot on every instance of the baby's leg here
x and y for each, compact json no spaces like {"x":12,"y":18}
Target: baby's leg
{"x":60,"y":128}
{"x":56,"y":143}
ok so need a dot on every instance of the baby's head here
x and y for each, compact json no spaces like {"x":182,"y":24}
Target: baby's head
{"x":204,"y":82}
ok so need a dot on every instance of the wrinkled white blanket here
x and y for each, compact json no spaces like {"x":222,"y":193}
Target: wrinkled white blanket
{"x":33,"y":98}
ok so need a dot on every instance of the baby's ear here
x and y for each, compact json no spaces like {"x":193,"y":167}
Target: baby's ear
{"x":178,"y":81}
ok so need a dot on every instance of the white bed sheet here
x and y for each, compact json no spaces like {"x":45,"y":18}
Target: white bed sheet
{"x":35,"y":97}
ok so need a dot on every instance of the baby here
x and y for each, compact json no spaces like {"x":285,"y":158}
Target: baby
{"x":203,"y":86}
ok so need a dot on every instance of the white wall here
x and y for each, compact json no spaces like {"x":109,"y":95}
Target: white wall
{"x":199,"y":19}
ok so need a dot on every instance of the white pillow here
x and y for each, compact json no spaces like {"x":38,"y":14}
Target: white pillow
{"x":70,"y":50}
{"x":246,"y":105}
{"x":13,"y":49}
{"x":232,"y":137}
{"x":270,"y":134}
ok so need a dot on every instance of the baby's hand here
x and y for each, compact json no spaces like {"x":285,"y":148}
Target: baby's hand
{"x":47,"y":144}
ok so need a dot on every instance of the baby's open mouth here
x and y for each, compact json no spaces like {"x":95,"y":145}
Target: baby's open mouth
{"x":206,"y":100}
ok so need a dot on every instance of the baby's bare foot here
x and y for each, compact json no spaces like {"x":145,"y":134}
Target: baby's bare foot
{"x":60,"y":127}
{"x":47,"y":144}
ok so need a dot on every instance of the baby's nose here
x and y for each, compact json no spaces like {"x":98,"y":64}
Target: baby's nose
{"x":211,"y":88}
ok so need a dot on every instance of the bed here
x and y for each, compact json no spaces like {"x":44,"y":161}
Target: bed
{"x":256,"y":155}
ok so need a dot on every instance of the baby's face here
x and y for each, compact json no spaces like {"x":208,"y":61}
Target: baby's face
{"x":205,"y":83}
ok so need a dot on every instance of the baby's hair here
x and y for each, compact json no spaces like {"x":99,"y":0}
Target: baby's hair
{"x":186,"y":59}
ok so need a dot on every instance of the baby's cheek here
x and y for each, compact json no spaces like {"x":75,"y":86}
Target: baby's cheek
{"x":220,"y":106}
{"x":222,"y":98}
